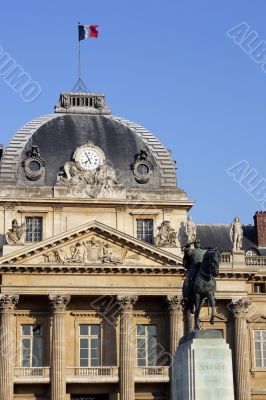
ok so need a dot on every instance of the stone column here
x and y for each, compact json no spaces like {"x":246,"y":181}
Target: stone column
{"x":127,"y":347}
{"x":7,"y":346}
{"x":239,"y":308}
{"x":58,"y":378}
{"x":175,"y":305}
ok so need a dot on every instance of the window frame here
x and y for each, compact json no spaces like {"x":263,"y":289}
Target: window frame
{"x":42,"y":228}
{"x":259,"y":284}
{"x":24,"y":318}
{"x":30,"y":337}
{"x":256,"y":322}
{"x":262,"y":367}
{"x":87,"y":318}
{"x":146,"y":338}
{"x":44,"y":214}
{"x":145,"y":218}
{"x":90,"y":337}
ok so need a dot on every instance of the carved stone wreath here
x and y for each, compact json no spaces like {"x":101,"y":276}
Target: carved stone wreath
{"x":33,"y":165}
{"x":142,"y":167}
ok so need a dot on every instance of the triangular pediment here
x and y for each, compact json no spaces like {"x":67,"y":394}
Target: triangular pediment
{"x":257,"y":318}
{"x":92,"y":244}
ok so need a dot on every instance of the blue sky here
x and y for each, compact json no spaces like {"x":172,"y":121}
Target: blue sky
{"x":168,"y":65}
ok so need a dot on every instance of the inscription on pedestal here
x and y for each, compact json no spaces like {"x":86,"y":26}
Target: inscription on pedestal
{"x":203,"y":370}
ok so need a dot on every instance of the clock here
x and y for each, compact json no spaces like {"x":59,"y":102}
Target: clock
{"x":89,"y":156}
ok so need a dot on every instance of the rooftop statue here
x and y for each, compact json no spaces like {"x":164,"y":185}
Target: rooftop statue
{"x":190,"y":230}
{"x":236,"y":234}
{"x":202,"y":267}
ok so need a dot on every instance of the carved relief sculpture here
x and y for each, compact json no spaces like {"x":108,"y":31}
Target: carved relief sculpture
{"x":166,"y":236}
{"x":16,"y":234}
{"x":91,"y":251}
{"x":191,"y":229}
{"x":236,"y":234}
{"x":88,"y":175}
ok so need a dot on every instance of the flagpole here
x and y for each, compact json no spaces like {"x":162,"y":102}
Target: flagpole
{"x":79,"y":64}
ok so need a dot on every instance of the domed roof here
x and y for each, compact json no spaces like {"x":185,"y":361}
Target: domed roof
{"x":57,"y":137}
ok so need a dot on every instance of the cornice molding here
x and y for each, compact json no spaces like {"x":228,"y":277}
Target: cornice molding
{"x":95,"y":269}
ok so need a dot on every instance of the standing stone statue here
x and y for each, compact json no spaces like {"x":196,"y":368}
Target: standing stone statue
{"x":190,"y":230}
{"x":16,"y":234}
{"x":236,"y":234}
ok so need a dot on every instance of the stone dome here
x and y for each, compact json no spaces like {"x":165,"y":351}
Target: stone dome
{"x":79,"y":119}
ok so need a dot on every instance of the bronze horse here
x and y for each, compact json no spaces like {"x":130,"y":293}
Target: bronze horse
{"x":200,"y":284}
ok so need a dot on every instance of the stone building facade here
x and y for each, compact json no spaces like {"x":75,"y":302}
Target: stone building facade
{"x":92,"y":227}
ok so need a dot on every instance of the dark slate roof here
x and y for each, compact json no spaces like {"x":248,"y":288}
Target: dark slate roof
{"x":59,"y":135}
{"x":219,"y":236}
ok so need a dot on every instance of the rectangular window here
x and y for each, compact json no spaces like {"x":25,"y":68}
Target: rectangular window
{"x":147,"y":345}
{"x":34,"y":229}
{"x":259,"y":288}
{"x":145,"y":230}
{"x":31,"y":346}
{"x":89,"y":345}
{"x":260,"y":348}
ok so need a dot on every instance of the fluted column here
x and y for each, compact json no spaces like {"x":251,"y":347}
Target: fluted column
{"x":7,"y":346}
{"x":127,"y":348}
{"x":58,"y":379}
{"x":239,"y":308}
{"x":175,"y":305}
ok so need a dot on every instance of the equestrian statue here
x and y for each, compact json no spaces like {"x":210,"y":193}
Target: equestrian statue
{"x":202,"y":267}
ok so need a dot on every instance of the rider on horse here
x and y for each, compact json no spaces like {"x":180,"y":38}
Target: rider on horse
{"x":191,"y":262}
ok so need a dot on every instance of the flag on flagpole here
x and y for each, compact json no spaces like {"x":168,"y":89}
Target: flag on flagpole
{"x":87,"y":32}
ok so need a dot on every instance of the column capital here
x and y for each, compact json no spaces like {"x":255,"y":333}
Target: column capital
{"x":8,"y":302}
{"x":175,"y":303}
{"x":239,"y":307}
{"x":59,"y":303}
{"x":127,"y":303}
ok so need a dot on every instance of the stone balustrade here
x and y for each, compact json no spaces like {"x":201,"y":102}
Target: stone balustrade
{"x":249,"y":260}
{"x":91,"y":374}
{"x":32,"y":375}
{"x":226,"y":257}
{"x":256,"y":260}
{"x":152,"y":374}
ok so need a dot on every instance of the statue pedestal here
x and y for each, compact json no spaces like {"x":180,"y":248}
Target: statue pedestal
{"x":238,"y":259}
{"x":203,"y":367}
{"x":11,"y":248}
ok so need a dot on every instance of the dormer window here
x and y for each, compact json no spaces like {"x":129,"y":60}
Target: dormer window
{"x":252,"y":253}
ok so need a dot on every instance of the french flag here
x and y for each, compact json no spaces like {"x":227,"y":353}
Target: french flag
{"x":87,"y":32}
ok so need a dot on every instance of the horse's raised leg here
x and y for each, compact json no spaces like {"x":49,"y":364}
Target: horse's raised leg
{"x":211,"y":300}
{"x":198,"y":303}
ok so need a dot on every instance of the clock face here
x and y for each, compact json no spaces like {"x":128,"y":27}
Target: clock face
{"x":89,"y":159}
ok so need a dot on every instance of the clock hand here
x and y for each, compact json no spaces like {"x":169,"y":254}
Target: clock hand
{"x":88,"y":158}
